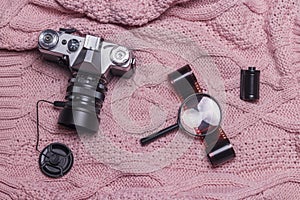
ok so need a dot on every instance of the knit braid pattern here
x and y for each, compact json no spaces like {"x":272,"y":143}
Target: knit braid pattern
{"x":233,"y":34}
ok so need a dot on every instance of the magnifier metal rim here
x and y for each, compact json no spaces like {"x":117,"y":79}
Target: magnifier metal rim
{"x":184,"y":102}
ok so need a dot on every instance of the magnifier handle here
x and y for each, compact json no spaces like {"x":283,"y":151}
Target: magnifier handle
{"x":158,"y":134}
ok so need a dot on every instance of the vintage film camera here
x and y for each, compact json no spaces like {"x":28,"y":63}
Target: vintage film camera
{"x":91,"y":60}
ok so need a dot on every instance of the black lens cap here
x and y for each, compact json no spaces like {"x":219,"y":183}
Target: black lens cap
{"x":56,"y":160}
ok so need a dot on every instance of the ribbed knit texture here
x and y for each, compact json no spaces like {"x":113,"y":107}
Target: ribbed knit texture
{"x":235,"y":34}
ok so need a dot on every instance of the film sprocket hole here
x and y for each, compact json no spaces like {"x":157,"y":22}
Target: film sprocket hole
{"x":91,"y":60}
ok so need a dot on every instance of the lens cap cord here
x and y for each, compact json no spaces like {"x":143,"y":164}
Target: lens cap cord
{"x":56,"y":159}
{"x":56,"y":104}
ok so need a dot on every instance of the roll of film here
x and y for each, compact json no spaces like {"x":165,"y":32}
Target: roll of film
{"x":249,"y":84}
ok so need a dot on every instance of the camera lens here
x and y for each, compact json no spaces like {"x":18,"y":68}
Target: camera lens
{"x":48,"y":39}
{"x":85,"y":95}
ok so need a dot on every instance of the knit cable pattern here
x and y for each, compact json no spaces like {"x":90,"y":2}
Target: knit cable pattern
{"x":233,"y":35}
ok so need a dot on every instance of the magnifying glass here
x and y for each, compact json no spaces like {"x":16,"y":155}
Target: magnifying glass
{"x":199,"y":115}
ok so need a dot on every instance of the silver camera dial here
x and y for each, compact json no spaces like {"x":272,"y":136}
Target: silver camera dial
{"x":119,"y":55}
{"x":48,"y":39}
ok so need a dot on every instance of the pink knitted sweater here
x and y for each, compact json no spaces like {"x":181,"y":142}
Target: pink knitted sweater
{"x":217,"y":38}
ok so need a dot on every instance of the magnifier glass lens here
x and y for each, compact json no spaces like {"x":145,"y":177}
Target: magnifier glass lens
{"x":200,"y":115}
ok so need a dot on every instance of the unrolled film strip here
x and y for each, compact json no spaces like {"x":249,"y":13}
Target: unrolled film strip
{"x":217,"y":146}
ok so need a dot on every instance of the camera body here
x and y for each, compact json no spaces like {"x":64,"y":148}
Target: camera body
{"x":77,"y":52}
{"x":91,"y":60}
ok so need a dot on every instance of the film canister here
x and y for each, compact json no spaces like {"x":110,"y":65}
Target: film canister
{"x":249,"y":85}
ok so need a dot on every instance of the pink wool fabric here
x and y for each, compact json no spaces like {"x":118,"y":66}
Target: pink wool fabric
{"x":233,"y":34}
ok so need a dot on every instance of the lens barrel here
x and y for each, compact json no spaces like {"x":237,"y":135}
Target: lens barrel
{"x":85,"y":96}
